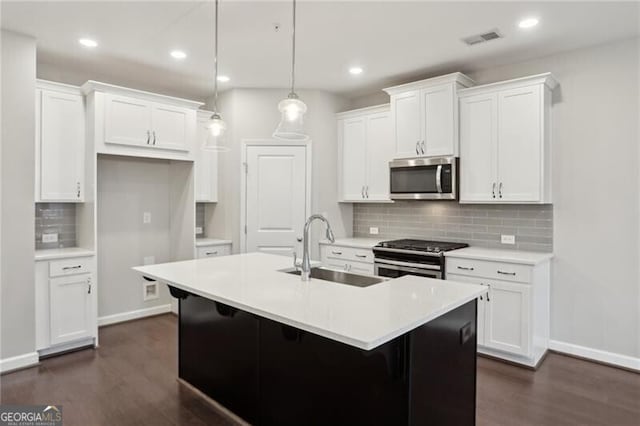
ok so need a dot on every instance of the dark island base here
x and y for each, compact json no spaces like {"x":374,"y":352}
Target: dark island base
{"x":272,"y":374}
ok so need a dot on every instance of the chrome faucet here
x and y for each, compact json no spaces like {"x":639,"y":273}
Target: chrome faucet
{"x":306,"y":263}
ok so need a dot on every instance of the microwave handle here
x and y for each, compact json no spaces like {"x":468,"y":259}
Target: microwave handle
{"x":439,"y":178}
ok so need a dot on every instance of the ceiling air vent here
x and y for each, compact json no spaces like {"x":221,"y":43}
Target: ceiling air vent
{"x":481,"y":38}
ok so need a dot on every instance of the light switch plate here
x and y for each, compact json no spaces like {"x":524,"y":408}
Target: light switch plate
{"x":198,"y":229}
{"x":373,"y":230}
{"x":508,"y":239}
{"x":50,"y":238}
{"x":146,"y":217}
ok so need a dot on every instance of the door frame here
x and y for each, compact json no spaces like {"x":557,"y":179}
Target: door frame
{"x":246,"y":143}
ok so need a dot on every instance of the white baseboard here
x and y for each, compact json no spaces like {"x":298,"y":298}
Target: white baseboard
{"x":619,"y":360}
{"x":131,"y":315}
{"x":20,"y":361}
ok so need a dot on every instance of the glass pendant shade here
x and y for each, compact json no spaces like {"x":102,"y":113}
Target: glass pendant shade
{"x":216,"y":132}
{"x":291,"y":125}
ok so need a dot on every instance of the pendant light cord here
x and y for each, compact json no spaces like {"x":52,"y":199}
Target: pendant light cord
{"x":215,"y":64}
{"x":293,"y":56}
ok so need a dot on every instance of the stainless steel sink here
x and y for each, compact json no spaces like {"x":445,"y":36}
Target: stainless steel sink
{"x":340,"y":277}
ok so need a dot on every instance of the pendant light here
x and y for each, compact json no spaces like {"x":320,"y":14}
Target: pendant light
{"x":292,"y":109}
{"x":216,"y":127}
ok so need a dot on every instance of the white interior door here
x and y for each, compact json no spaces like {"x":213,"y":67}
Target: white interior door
{"x":276,"y":198}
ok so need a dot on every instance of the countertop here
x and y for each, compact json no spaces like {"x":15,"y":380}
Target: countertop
{"x":62,"y":253}
{"x":361,"y":317}
{"x":366,"y":243}
{"x":499,"y":255}
{"x":206,"y":242}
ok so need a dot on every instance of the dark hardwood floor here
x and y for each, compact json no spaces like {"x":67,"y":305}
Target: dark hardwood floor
{"x":131,"y":380}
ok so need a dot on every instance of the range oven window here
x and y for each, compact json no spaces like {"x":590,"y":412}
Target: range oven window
{"x":384,"y":271}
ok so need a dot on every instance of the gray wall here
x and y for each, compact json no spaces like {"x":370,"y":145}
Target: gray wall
{"x":253,"y":114}
{"x":59,"y":218}
{"x":17,"y":187}
{"x":477,"y":225}
{"x":595,"y":291}
{"x":128,"y":187}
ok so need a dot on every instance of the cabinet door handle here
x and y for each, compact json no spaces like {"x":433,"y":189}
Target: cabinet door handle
{"x":148,"y":137}
{"x":418,"y":148}
{"x":493,"y":190}
{"x":424,"y":147}
{"x":209,"y":253}
{"x":500,"y":190}
{"x":362,"y":191}
{"x":89,"y":290}
{"x":513,"y":274}
{"x":464,"y":268}
{"x":339,"y":253}
{"x":78,"y":188}
{"x":366,"y":191}
{"x":154,"y":137}
{"x":488,"y":292}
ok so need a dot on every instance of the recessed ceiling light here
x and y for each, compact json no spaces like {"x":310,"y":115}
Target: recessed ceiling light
{"x":178,"y":54}
{"x":223,"y":78}
{"x":87,"y":42}
{"x":355,"y":70}
{"x":528,"y":23}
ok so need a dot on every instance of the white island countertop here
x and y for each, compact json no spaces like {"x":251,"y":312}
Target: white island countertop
{"x":361,"y":317}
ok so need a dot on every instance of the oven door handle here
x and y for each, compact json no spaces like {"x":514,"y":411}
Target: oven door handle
{"x":406,"y":265}
{"x":439,"y":179}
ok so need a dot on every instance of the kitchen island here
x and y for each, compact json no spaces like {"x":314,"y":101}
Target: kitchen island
{"x":278,"y":351}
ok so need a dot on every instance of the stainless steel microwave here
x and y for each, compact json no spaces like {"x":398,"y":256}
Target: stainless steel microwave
{"x":433,"y":178}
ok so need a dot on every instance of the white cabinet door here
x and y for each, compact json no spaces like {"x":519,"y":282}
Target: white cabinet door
{"x":478,"y":147}
{"x":520,"y":139}
{"x":507,"y":317}
{"x":127,"y":120}
{"x":405,"y":110}
{"x":438,"y":105}
{"x":61,"y":148}
{"x":353,"y":135}
{"x":206,"y":166}
{"x":169,"y":127}
{"x":70,"y":308}
{"x":380,"y":150}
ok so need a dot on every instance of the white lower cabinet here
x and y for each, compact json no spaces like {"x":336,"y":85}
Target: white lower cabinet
{"x":513,"y":317}
{"x":346,"y":258}
{"x":66,"y":304}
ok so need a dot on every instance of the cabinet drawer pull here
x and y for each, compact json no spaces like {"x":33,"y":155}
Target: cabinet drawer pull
{"x":209,"y":253}
{"x":361,"y":255}
{"x":506,"y":273}
{"x":339,"y":253}
{"x":464,"y":268}
{"x":67,"y":268}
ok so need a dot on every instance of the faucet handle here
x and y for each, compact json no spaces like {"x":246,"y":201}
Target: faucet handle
{"x":295,"y":261}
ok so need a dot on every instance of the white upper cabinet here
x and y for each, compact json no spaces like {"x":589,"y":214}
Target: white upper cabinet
{"x":425,"y":116}
{"x":365,"y":148}
{"x":60,"y":143}
{"x":132,"y":122}
{"x":206,"y":163}
{"x":505,"y":141}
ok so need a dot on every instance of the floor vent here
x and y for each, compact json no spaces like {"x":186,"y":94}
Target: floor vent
{"x":481,"y":38}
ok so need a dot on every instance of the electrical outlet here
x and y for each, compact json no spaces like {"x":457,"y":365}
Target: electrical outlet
{"x":198,"y":230}
{"x":50,"y":238}
{"x":373,"y":230}
{"x":149,"y":260}
{"x":146,"y":217}
{"x":150,"y":291}
{"x":508,"y":239}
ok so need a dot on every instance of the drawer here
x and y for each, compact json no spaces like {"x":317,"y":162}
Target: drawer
{"x":487,"y":269}
{"x":354,"y":267}
{"x":347,"y":253}
{"x":213,"y":251}
{"x":59,"y":268}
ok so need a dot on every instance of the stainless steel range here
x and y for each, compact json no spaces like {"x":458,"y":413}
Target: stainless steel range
{"x":412,"y":257}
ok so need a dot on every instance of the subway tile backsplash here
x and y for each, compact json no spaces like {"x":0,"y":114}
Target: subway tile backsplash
{"x":57,"y":218}
{"x":477,"y":225}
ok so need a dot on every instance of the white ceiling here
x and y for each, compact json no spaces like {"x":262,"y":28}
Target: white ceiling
{"x":393,"y":41}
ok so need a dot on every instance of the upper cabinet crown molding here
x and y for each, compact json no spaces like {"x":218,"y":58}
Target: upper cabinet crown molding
{"x":456,"y":77}
{"x":360,"y":111}
{"x":58,"y":87}
{"x":547,"y":79}
{"x":96,"y":86}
